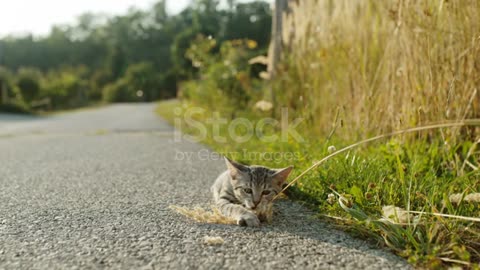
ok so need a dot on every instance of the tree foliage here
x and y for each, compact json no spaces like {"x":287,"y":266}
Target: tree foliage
{"x":28,"y":82}
{"x":140,"y":50}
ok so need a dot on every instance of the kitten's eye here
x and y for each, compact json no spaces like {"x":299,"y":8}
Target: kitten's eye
{"x":266,"y":192}
{"x":248,"y":190}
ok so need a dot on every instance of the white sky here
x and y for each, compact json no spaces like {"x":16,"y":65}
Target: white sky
{"x":38,"y":16}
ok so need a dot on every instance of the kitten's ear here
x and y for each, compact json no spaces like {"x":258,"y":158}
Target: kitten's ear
{"x":235,"y":168}
{"x":281,"y":175}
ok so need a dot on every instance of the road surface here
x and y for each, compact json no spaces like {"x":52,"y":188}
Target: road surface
{"x":92,"y":189}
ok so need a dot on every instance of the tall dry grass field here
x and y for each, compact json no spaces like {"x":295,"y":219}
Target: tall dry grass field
{"x":381,"y":65}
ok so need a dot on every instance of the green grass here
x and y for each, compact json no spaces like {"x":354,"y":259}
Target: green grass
{"x":416,"y":173}
{"x":166,"y":109}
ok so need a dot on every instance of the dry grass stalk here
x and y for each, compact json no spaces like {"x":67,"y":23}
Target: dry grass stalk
{"x":474,"y":219}
{"x":466,"y":122}
{"x":214,"y":215}
{"x":213,"y":240}
{"x":457,"y":198}
{"x":203,"y":216}
{"x":396,"y":214}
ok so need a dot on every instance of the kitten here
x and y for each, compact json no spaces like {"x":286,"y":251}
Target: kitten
{"x":242,"y":191}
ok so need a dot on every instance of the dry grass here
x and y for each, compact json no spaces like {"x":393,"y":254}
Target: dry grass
{"x":459,"y":197}
{"x":214,"y":215}
{"x":381,"y":65}
{"x":213,"y":240}
{"x":201,"y":215}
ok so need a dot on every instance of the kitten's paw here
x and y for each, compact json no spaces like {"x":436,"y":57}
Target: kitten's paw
{"x":249,"y":220}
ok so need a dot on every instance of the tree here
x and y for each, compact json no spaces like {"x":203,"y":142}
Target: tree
{"x":251,"y":21}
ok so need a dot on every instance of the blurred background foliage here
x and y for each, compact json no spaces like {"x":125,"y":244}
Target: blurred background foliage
{"x":135,"y":57}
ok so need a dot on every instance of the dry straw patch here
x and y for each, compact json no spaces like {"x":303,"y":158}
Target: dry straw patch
{"x":213,"y":240}
{"x":201,"y":215}
{"x":459,"y":197}
{"x":214,"y":215}
{"x":382,"y":65}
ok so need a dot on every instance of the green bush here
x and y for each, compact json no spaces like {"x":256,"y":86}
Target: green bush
{"x":224,"y":77}
{"x":180,"y":45}
{"x":14,"y":107}
{"x":7,"y":81}
{"x":120,"y":91}
{"x":144,"y":81}
{"x":28,"y":81}
{"x":66,"y":88}
{"x":98,"y":81}
{"x":140,"y":83}
{"x":168,"y":85}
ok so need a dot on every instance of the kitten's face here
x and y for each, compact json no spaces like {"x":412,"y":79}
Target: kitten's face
{"x":255,"y":185}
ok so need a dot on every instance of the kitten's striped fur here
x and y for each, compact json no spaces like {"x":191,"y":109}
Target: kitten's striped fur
{"x":242,"y":189}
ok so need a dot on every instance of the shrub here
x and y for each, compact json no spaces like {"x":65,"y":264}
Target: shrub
{"x":182,"y":41}
{"x":28,"y":81}
{"x":224,"y":77}
{"x":120,"y":91}
{"x":7,"y":82}
{"x":98,"y":81}
{"x":66,"y":88}
{"x":14,"y":107}
{"x":143,"y":78}
{"x":168,"y":85}
{"x":140,"y":83}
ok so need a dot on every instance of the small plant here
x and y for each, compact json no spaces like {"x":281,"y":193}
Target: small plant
{"x":223,"y":78}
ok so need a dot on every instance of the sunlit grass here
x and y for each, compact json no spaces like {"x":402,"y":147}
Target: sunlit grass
{"x":414,"y":173}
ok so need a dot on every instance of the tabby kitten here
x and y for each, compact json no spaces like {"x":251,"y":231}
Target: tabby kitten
{"x":242,"y":192}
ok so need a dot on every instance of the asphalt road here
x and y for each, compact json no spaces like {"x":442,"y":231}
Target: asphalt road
{"x":92,"y":189}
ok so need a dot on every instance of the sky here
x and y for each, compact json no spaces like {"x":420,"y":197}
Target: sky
{"x":38,"y":16}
